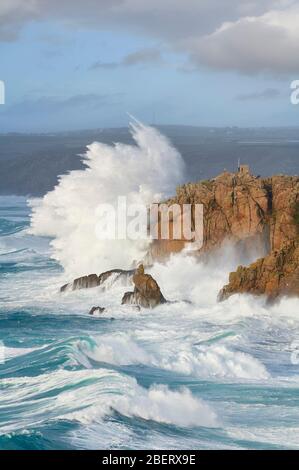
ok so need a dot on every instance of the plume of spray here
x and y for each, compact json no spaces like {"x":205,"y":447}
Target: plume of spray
{"x":144,"y":173}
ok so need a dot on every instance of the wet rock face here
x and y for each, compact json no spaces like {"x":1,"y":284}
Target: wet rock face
{"x":93,"y":280}
{"x":247,"y":211}
{"x":244,"y":209}
{"x":96,"y":310}
{"x":86,"y":282}
{"x":146,"y":293}
{"x":236,"y":208}
{"x":275,"y":275}
{"x":285,"y":197}
{"x":239,"y":206}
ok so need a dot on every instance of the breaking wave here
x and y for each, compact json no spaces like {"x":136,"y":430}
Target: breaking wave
{"x":145,"y":172}
{"x":89,"y":396}
{"x":205,"y":361}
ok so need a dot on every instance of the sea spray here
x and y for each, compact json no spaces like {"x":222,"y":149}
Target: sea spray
{"x":144,"y":173}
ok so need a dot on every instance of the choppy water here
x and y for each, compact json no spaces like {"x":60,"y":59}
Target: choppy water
{"x":186,"y":375}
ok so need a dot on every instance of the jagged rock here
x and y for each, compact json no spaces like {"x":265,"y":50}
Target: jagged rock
{"x":243,"y":209}
{"x":93,"y":280}
{"x":94,"y":310}
{"x":247,"y":211}
{"x":284,"y":191}
{"x":277,"y":273}
{"x":86,"y":282}
{"x":146,"y":293}
{"x":239,"y":207}
{"x":274,"y":275}
{"x":236,"y":208}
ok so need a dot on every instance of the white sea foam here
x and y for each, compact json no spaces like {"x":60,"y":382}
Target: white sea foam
{"x":90,"y":395}
{"x":9,"y":353}
{"x":144,"y":173}
{"x":167,"y":406}
{"x":282,"y":437}
{"x":242,"y":340}
{"x":205,"y":361}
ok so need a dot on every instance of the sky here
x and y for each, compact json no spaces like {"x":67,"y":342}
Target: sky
{"x":74,"y":64}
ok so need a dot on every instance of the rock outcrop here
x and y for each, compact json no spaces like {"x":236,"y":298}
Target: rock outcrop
{"x":236,"y":208}
{"x":277,"y":273}
{"x":247,"y":210}
{"x":96,"y":310}
{"x":274,"y":275}
{"x":94,"y":280}
{"x":146,"y":293}
{"x":243,"y":209}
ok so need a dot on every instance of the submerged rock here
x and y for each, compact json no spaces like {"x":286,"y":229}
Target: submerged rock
{"x":95,"y":310}
{"x":146,"y":293}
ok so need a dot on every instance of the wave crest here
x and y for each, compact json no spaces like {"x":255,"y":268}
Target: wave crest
{"x":145,"y":172}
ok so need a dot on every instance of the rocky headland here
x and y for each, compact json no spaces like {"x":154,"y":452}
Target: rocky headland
{"x":248,"y":211}
{"x":242,"y":209}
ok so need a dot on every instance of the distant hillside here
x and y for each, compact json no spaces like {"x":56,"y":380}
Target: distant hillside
{"x":30,"y":164}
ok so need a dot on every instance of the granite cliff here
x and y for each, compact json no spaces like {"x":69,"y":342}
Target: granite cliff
{"x":240,"y":208}
{"x":247,"y":211}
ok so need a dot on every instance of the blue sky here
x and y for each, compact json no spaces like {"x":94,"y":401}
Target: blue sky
{"x":69,"y":68}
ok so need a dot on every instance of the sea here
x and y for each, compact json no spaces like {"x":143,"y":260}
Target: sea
{"x":193,"y":373}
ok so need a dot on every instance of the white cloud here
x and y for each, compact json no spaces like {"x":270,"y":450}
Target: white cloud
{"x":174,"y":19}
{"x":248,"y":36}
{"x":266,"y":43}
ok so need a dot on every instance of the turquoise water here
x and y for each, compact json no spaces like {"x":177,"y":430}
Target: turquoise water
{"x":192,"y":375}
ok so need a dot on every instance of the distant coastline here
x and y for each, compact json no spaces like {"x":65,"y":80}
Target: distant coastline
{"x":31,"y":163}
